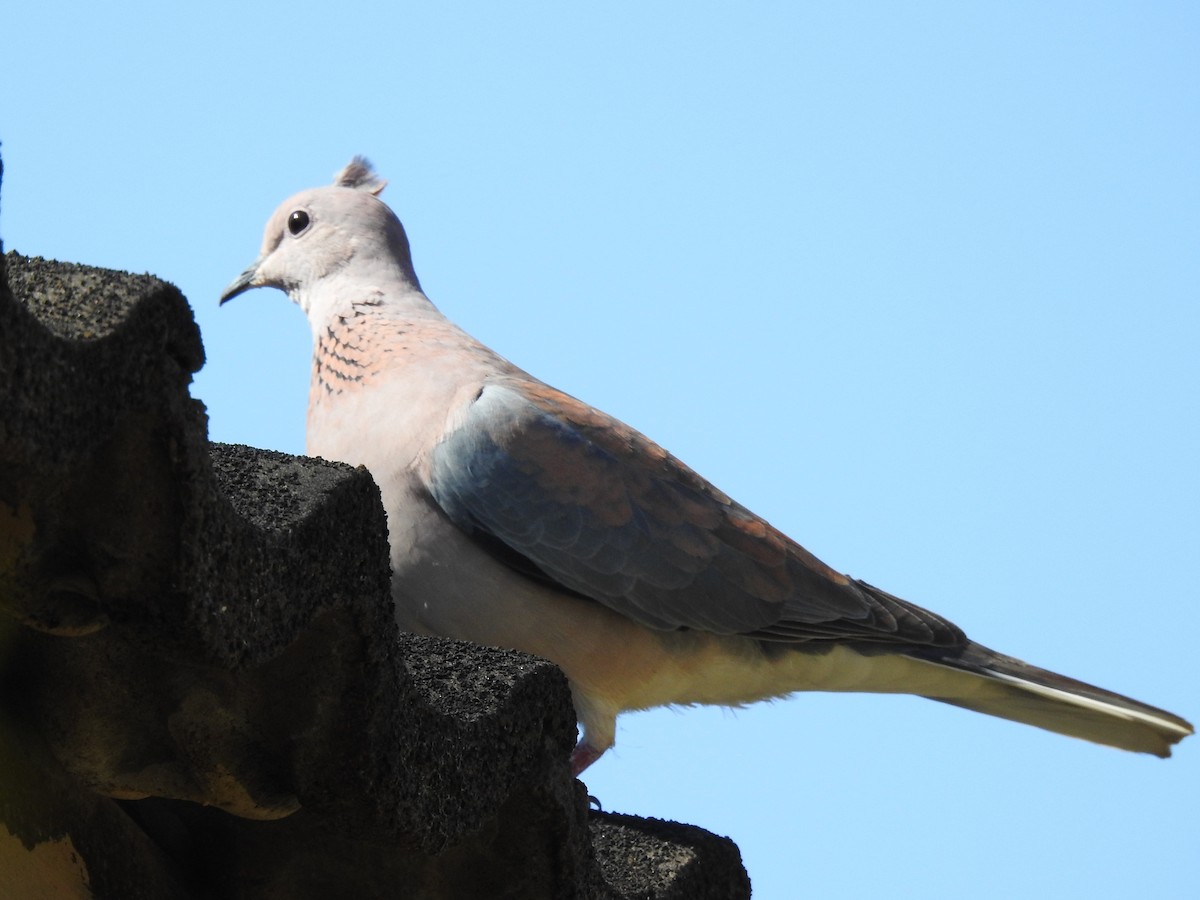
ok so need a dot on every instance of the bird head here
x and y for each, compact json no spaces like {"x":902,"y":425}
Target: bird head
{"x":318,"y":233}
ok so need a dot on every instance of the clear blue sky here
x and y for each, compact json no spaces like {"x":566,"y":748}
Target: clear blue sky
{"x":917,"y":282}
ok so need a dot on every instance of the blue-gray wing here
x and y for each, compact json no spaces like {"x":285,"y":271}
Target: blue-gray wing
{"x":589,"y":503}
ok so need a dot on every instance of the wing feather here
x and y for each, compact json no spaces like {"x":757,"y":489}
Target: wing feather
{"x":608,"y":514}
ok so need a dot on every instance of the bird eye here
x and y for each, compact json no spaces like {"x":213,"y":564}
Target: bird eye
{"x":297,"y":222}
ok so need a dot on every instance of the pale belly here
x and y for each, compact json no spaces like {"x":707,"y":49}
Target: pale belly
{"x":445,"y":585}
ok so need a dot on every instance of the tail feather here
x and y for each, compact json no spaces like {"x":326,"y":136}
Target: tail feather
{"x":1012,"y":689}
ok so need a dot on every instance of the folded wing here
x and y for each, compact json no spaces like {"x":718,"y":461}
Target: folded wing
{"x":593,"y":505}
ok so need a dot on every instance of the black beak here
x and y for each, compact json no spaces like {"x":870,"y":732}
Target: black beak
{"x":241,"y":284}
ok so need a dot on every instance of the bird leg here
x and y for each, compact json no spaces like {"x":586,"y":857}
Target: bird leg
{"x":583,"y":756}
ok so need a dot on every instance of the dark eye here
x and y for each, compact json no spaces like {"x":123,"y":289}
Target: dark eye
{"x":297,"y":221}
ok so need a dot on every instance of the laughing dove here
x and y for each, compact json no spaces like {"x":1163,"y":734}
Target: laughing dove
{"x":520,"y":517}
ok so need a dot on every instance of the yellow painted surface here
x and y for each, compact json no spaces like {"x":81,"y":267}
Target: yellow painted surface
{"x":52,"y":870}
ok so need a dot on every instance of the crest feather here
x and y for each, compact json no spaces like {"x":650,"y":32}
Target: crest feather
{"x":360,"y":174}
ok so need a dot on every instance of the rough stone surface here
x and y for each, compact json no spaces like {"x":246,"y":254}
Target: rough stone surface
{"x":203,"y":692}
{"x":651,"y":858}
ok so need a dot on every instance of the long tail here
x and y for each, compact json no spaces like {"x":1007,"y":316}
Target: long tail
{"x":1012,"y":689}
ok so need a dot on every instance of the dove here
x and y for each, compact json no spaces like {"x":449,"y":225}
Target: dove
{"x":520,"y":517}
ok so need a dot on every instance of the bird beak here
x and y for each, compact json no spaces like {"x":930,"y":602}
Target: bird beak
{"x":244,"y":282}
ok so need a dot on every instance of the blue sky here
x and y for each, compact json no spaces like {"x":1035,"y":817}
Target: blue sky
{"x":917,"y":282}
